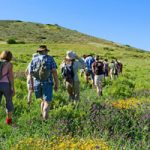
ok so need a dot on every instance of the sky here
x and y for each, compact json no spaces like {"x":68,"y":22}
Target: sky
{"x":122,"y":21}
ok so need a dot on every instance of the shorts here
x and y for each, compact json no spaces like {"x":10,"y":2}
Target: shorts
{"x":89,"y":73}
{"x":98,"y":79}
{"x":5,"y":90}
{"x":43,"y":90}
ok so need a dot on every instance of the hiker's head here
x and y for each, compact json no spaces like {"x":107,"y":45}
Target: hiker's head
{"x":6,"y":55}
{"x":106,"y":60}
{"x":116,"y":60}
{"x":97,"y":57}
{"x":42,"y":49}
{"x":112,"y":61}
{"x":84,"y":56}
{"x":70,"y":55}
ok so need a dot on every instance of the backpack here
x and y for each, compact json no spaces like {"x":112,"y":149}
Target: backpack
{"x":99,"y":68}
{"x":2,"y":62}
{"x":67,"y":73}
{"x":41,"y":69}
{"x":115,"y":70}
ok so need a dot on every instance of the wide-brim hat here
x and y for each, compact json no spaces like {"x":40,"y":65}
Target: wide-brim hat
{"x":70,"y":55}
{"x":42,"y":48}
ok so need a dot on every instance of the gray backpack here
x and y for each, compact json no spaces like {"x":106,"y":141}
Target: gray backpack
{"x":41,"y":69}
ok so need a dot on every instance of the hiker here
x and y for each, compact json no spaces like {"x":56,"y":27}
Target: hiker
{"x":69,"y":69}
{"x":43,"y":71}
{"x":88,"y":70}
{"x":7,"y":83}
{"x":113,"y":70}
{"x":106,"y":67}
{"x":29,"y":86}
{"x":82,"y":71}
{"x":98,"y":69}
{"x":119,"y":66}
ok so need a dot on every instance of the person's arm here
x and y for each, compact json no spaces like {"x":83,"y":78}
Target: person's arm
{"x":81,"y":62}
{"x":55,"y":77}
{"x":32,"y":83}
{"x":93,"y":68}
{"x":11,"y":78}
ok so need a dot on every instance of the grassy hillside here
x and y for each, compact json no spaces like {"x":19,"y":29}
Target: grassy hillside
{"x":120,"y":119}
{"x":29,"y":32}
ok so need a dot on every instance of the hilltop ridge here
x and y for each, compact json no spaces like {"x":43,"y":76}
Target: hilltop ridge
{"x":29,"y":32}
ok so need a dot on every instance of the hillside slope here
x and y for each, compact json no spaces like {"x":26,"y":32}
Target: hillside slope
{"x":29,"y":32}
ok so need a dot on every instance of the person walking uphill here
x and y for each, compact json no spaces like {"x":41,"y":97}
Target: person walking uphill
{"x":43,"y":71}
{"x":98,"y":69}
{"x":89,"y":60}
{"x":7,"y":83}
{"x":69,"y":69}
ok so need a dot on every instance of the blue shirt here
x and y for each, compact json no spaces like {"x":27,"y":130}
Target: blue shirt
{"x":88,"y":61}
{"x":49,"y":62}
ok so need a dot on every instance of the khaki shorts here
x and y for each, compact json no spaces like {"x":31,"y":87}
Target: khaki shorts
{"x":98,"y":79}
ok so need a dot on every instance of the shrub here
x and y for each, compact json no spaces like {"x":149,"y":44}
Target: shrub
{"x":11,"y":41}
{"x":123,"y":87}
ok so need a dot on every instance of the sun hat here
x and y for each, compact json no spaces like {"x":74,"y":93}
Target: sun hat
{"x":70,"y":55}
{"x":42,"y":48}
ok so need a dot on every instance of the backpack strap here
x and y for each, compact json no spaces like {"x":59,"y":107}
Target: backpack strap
{"x":4,"y":75}
{"x":1,"y":71}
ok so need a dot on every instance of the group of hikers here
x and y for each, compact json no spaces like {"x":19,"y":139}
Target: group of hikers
{"x":98,"y":69}
{"x":42,"y":77}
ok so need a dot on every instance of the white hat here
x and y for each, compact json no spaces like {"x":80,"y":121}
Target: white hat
{"x":70,"y":55}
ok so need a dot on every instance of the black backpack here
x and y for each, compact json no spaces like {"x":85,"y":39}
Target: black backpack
{"x":99,"y":68}
{"x":67,"y":73}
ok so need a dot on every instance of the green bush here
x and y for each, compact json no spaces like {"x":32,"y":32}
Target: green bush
{"x":123,"y":87}
{"x":11,"y":41}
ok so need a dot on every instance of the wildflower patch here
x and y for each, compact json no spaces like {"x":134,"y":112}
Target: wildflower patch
{"x":126,"y":104}
{"x":61,"y":143}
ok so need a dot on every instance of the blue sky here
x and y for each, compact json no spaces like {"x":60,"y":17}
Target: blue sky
{"x":122,"y":21}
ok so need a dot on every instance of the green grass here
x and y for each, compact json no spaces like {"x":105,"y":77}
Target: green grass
{"x":92,"y":117}
{"x":29,"y":32}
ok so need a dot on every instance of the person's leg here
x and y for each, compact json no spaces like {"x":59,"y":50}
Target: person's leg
{"x":45,"y":109}
{"x":77,"y":90}
{"x":69,"y":88}
{"x":111,"y":74}
{"x":42,"y":106}
{"x":38,"y":93}
{"x":92,"y":77}
{"x":29,"y":96}
{"x":9,"y":103}
{"x":98,"y":85}
{"x":47,"y":92}
{"x":87,"y":76}
{"x":9,"y":115}
{"x":99,"y":89}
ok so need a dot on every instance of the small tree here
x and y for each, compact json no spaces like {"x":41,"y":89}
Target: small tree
{"x":11,"y":41}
